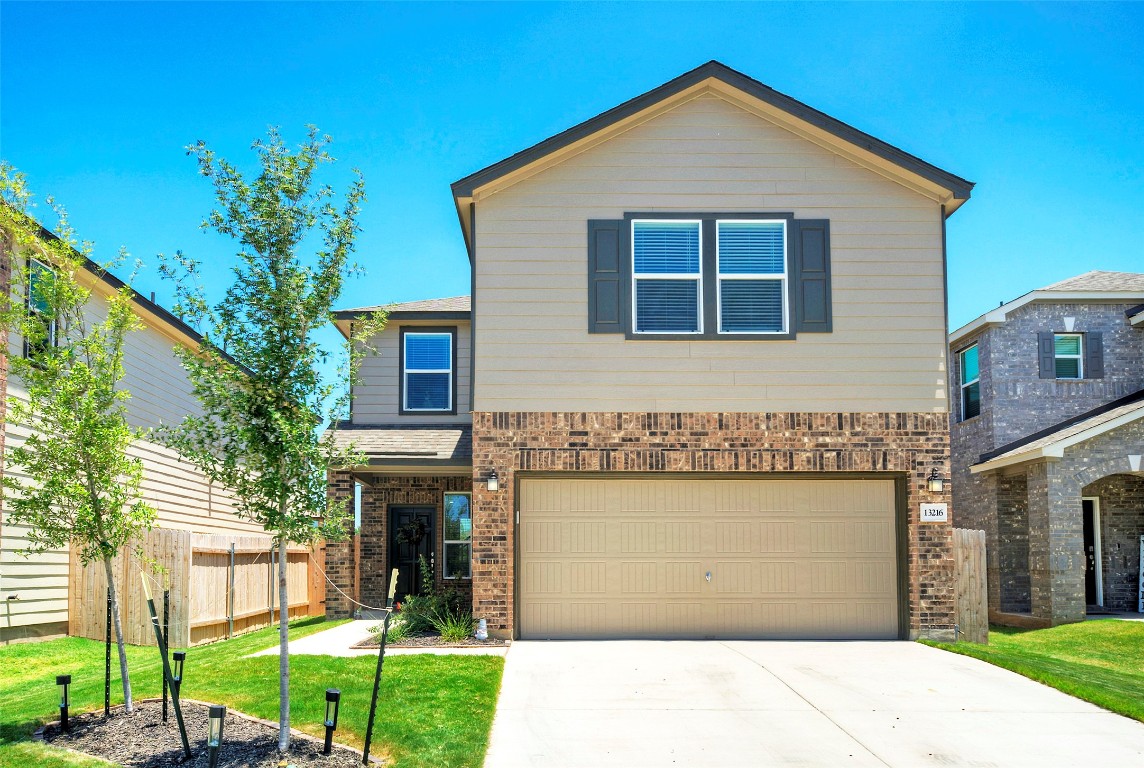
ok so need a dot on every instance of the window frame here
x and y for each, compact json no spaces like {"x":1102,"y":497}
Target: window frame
{"x":963,"y":385}
{"x":783,"y":279}
{"x":53,"y":339}
{"x":402,"y":372}
{"x":697,"y":277}
{"x":446,"y":542}
{"x":708,"y":270}
{"x":1079,"y":356}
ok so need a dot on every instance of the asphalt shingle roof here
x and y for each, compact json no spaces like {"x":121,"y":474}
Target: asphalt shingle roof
{"x":1097,"y":280}
{"x":450,"y":304}
{"x":430,"y":442}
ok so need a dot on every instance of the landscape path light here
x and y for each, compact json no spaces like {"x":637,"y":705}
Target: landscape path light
{"x":333,"y":704}
{"x":63,"y":682}
{"x":215,"y":716}
{"x":179,"y":657}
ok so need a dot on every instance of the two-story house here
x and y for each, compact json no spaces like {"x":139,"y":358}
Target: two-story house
{"x":699,"y":390}
{"x":35,"y":589}
{"x":1048,"y":435}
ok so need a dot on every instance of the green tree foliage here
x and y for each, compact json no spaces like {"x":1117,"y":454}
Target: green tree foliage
{"x":258,"y":374}
{"x":80,"y":487}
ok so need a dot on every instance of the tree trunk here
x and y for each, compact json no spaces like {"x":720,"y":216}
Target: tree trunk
{"x":128,"y":705}
{"x":283,"y":652}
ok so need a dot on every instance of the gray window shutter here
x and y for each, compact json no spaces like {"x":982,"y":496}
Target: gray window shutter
{"x":1047,"y":355}
{"x":812,"y":276}
{"x":605,"y":277}
{"x":1094,"y":355}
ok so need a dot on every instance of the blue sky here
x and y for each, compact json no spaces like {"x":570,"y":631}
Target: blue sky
{"x":1041,"y":105}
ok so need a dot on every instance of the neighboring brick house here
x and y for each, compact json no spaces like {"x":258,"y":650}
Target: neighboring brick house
{"x":1047,"y":438}
{"x":704,"y":377}
{"x":34,"y":590}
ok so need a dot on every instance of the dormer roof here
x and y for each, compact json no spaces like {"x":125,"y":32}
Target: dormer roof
{"x":450,"y":308}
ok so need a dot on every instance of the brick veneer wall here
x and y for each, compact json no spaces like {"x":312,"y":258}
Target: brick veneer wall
{"x":911,"y":443}
{"x":379,"y":492}
{"x":1121,"y":525}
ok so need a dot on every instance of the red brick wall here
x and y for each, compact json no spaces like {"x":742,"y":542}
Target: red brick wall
{"x":909,"y":443}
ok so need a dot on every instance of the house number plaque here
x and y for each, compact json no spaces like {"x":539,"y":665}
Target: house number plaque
{"x":935,"y":513}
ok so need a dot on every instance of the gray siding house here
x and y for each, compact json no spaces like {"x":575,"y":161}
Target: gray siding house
{"x":1047,"y":438}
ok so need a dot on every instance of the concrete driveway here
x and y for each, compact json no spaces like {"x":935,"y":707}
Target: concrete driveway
{"x":638,"y":703}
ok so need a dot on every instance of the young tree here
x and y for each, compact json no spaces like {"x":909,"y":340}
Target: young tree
{"x":81,"y":487}
{"x":258,"y":374}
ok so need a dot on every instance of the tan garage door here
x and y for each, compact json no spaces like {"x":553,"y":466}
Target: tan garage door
{"x":697,"y":558}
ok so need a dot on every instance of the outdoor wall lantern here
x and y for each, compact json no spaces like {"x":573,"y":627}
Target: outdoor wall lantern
{"x":63,"y":681}
{"x":215,"y":717}
{"x":493,"y":481}
{"x":177,"y":670}
{"x":333,"y":703}
{"x":935,"y":482}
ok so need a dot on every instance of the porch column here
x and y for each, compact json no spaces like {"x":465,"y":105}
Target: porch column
{"x":340,"y":554}
{"x":1056,"y":545}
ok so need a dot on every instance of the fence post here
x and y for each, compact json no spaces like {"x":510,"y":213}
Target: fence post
{"x":270,"y":586}
{"x":230,"y":597}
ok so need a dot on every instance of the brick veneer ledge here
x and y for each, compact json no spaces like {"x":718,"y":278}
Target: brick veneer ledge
{"x":909,"y":443}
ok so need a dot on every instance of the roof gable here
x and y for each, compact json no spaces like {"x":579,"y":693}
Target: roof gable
{"x":737,"y":88}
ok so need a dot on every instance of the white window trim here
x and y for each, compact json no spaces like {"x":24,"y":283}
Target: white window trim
{"x":1079,"y":357}
{"x":697,"y":277}
{"x":783,"y":278}
{"x":53,"y":328}
{"x":446,"y":542}
{"x":967,"y":384}
{"x":406,"y":370}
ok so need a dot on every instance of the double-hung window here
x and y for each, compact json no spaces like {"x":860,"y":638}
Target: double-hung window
{"x":667,"y":276}
{"x":40,"y":308}
{"x":458,"y":536}
{"x":1069,"y":355}
{"x":427,"y":371}
{"x":752,"y":269}
{"x":970,"y":383}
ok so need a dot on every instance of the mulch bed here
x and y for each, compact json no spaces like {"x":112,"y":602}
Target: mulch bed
{"x":433,"y":641}
{"x":142,"y":740}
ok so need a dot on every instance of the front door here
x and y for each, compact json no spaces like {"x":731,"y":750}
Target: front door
{"x":1091,"y":595}
{"x":411,"y":536}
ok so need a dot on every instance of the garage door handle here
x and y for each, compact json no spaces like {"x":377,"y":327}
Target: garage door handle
{"x":709,"y":575}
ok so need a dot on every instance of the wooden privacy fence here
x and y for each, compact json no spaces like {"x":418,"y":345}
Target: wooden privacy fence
{"x":220,"y":585}
{"x":970,"y":586}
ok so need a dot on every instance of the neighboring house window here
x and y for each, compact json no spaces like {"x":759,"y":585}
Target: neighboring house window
{"x":458,"y":536}
{"x":427,"y":371}
{"x":970,"y":383}
{"x":1068,"y":349}
{"x":752,"y":269}
{"x":40,"y":308}
{"x":667,"y":283}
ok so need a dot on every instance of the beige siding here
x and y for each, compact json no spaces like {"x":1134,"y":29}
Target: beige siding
{"x":181,"y":495}
{"x":533,"y":350}
{"x":376,"y":399}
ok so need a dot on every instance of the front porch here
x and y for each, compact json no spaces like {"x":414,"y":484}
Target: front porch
{"x":413,"y":500}
{"x":1064,"y":537}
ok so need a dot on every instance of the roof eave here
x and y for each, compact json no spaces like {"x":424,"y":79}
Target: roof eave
{"x":464,"y":189}
{"x":1000,"y":314}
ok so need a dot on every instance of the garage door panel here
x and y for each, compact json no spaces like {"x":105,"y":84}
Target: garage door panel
{"x":789,"y":558}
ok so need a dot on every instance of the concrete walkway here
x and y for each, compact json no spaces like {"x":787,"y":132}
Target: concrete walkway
{"x":339,"y":641}
{"x":692,"y":704}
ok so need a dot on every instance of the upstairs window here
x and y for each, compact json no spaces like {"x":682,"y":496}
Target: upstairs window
{"x":1068,"y":355}
{"x":427,"y":371}
{"x":39,"y":306}
{"x":667,"y":282}
{"x":752,"y":269}
{"x":458,"y":536}
{"x":970,"y":383}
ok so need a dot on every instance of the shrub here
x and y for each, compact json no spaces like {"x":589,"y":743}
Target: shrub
{"x":454,"y":627}
{"x":419,"y":612}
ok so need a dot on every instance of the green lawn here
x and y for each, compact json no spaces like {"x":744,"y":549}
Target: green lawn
{"x":1098,"y":661}
{"x":432,"y":711}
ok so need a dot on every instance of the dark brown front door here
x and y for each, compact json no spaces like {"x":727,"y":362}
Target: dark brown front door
{"x":411,"y":536}
{"x":1090,"y":553}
